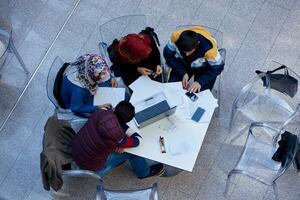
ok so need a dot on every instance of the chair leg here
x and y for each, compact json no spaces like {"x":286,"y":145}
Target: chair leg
{"x":231,"y":119}
{"x":228,"y":183}
{"x":14,"y":50}
{"x":275,"y":190}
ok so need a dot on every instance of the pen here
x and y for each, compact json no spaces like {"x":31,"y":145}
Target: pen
{"x":162,"y":144}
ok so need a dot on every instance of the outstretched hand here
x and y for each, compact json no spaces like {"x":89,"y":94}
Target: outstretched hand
{"x":144,"y":71}
{"x":158,"y":70}
{"x":185,"y":81}
{"x":119,"y":150}
{"x":114,"y":83}
{"x":195,"y":87}
{"x":107,"y":105}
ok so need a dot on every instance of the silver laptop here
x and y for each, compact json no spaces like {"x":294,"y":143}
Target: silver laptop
{"x":152,"y":109}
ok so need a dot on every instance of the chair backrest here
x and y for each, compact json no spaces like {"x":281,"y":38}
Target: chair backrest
{"x":215,"y":33}
{"x":55,"y":67}
{"x":260,"y":86}
{"x":150,"y":193}
{"x":121,"y":26}
{"x":78,"y":184}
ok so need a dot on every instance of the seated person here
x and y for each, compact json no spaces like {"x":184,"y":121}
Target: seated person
{"x":80,"y":82}
{"x":193,"y":52}
{"x":99,"y":144}
{"x":135,"y":55}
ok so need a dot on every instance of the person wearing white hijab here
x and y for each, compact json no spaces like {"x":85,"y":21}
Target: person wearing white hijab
{"x":81,"y":80}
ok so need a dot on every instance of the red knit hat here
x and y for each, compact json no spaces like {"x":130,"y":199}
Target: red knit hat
{"x":133,"y":48}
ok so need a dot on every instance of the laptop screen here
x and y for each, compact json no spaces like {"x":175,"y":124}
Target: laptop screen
{"x":153,"y":114}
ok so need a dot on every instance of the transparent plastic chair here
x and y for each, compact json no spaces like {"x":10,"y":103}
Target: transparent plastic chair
{"x":78,"y":184}
{"x":61,"y":113}
{"x":84,"y":184}
{"x":7,"y":46}
{"x":150,"y":193}
{"x":260,"y":102}
{"x":119,"y":27}
{"x":256,"y":158}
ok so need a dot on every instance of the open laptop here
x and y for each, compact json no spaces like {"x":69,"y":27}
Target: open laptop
{"x":152,"y":109}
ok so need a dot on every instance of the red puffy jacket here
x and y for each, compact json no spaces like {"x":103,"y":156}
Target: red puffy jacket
{"x":97,"y":139}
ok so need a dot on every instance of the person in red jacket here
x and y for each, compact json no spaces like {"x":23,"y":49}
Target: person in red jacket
{"x":99,"y":145}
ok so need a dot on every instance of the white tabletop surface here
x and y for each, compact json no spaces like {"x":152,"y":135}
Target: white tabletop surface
{"x":183,"y":137}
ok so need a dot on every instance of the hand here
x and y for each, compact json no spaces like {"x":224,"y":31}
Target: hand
{"x":107,"y":105}
{"x":144,"y":71}
{"x":185,"y":81}
{"x":158,"y":70}
{"x":195,"y":87}
{"x":114,"y":83}
{"x":119,"y":150}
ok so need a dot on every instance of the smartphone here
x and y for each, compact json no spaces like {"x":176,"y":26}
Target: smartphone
{"x":192,"y":96}
{"x":198,"y":114}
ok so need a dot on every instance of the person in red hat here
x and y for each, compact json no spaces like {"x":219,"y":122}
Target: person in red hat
{"x":134,"y":55}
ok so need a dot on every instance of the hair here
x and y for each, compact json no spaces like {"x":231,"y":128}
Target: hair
{"x":187,"y":41}
{"x":124,"y":111}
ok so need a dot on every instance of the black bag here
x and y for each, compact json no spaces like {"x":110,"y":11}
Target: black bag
{"x":283,"y":83}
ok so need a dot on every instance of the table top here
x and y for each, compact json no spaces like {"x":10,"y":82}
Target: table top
{"x":183,"y":137}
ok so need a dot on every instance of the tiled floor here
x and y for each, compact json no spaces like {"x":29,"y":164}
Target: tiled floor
{"x":255,"y":33}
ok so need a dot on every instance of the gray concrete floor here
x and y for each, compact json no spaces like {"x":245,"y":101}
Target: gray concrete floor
{"x":255,"y":33}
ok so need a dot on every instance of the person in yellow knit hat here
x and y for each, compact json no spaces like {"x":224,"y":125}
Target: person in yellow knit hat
{"x":193,"y":52}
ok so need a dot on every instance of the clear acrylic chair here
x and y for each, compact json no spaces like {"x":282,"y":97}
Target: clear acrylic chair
{"x":78,"y":184}
{"x":150,"y":193}
{"x":256,"y":159}
{"x":60,"y":112}
{"x":7,"y":46}
{"x":119,"y":27}
{"x":218,"y":36}
{"x":84,"y":184}
{"x":260,"y":102}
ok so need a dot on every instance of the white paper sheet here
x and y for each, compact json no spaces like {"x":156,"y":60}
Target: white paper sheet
{"x":109,"y":95}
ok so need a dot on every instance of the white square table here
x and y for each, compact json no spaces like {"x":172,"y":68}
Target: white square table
{"x":183,"y":137}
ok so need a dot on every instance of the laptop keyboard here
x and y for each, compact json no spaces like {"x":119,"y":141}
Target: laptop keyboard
{"x":152,"y":111}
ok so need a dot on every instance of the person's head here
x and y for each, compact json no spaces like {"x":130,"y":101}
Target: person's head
{"x":134,"y":48}
{"x":124,"y":111}
{"x":92,"y":70}
{"x":96,"y":69}
{"x":187,"y":42}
